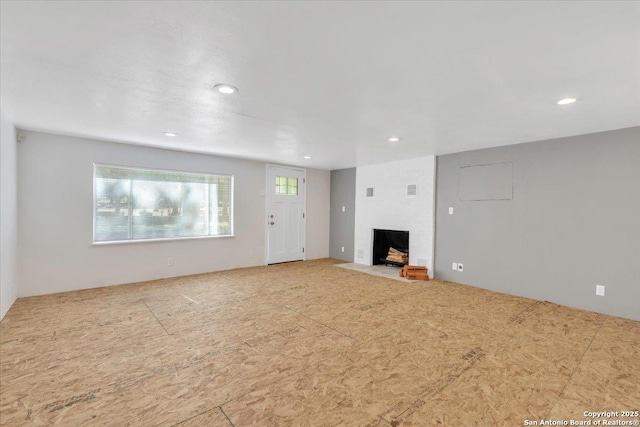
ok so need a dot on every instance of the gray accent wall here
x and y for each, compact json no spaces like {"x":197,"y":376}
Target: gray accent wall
{"x":573,"y":221}
{"x":343,"y":193}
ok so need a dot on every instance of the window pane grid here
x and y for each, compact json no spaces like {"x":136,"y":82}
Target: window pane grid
{"x":286,"y":186}
{"x":140,"y":204}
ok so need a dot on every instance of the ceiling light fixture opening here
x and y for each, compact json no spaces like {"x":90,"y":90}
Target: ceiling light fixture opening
{"x":394,"y":139}
{"x":226,"y":89}
{"x":307,"y":157}
{"x":170,"y":134}
{"x":566,"y":101}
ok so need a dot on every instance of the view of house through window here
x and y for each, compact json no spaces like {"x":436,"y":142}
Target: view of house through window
{"x":142,"y":204}
{"x":286,"y":185}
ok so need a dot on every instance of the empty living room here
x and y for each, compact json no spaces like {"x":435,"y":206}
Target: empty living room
{"x":319,"y":213}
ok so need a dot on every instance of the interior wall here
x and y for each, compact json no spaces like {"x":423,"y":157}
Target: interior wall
{"x":55,"y":195}
{"x":317,"y":214}
{"x":392,"y":208}
{"x":571,"y":224}
{"x":8,"y":214}
{"x":343,"y":209}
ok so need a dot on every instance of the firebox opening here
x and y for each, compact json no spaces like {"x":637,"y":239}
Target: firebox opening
{"x":390,"y":247}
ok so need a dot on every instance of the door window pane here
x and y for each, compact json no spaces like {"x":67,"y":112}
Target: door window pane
{"x":286,"y":185}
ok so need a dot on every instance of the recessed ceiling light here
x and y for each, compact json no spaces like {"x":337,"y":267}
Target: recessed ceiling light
{"x":226,"y":89}
{"x":170,"y":134}
{"x":566,"y":101}
{"x":394,"y":139}
{"x":307,"y":157}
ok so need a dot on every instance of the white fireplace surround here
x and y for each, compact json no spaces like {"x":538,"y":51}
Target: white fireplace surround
{"x":396,"y":205}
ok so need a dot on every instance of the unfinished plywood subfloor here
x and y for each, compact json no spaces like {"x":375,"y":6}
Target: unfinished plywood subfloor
{"x":309,"y":344}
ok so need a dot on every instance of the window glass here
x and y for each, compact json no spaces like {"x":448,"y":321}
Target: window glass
{"x":286,"y":185}
{"x":141,"y":204}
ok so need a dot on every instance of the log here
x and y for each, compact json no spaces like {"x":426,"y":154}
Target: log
{"x":415,"y":268}
{"x":414,"y":271}
{"x":395,"y":251}
{"x":417,"y":276}
{"x":395,"y":255}
{"x":396,"y":259}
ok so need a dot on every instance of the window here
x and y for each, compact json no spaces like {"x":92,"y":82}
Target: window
{"x":146,"y":204}
{"x":286,"y":186}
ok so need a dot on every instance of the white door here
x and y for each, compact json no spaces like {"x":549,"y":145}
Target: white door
{"x":285,"y":214}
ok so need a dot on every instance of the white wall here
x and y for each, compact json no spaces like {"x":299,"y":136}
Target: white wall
{"x":390,"y":207}
{"x":318,"y":193}
{"x":8,"y":214}
{"x":55,"y":200}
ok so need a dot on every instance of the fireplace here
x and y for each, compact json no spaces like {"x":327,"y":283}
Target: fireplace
{"x":384,"y":240}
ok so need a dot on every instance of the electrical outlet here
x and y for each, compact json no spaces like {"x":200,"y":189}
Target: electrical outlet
{"x":600,"y":290}
{"x":342,"y":248}
{"x":450,"y":211}
{"x":454,"y":266}
{"x":460,"y":266}
{"x":250,"y":254}
{"x":169,"y":261}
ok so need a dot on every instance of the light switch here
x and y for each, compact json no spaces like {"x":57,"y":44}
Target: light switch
{"x":343,"y":209}
{"x":450,"y":211}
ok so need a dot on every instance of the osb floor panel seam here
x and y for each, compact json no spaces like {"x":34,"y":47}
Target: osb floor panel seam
{"x":576,"y":368}
{"x":308,"y":344}
{"x":319,"y":323}
{"x":226,"y":416}
{"x":156,"y":317}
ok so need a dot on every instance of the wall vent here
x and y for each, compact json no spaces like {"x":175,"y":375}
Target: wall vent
{"x":412,"y":190}
{"x":370,"y":192}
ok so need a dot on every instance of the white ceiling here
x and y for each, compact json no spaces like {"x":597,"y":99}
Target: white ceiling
{"x":333,"y":80}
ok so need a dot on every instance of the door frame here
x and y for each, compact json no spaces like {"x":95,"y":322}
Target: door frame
{"x":266,"y":208}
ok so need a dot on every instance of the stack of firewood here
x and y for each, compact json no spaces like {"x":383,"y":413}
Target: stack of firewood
{"x":397,"y":256}
{"x":415,"y":272}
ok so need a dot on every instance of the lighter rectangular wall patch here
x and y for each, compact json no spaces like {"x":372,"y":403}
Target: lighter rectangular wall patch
{"x":486,"y":182}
